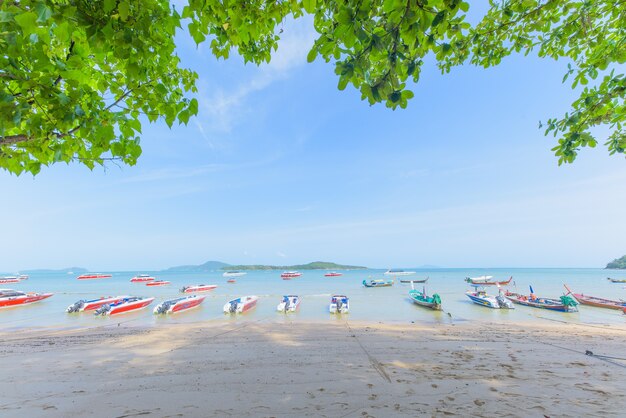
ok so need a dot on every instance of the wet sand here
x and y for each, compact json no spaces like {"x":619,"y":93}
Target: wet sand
{"x":342,"y":369}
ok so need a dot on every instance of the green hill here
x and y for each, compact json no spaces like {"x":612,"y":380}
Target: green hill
{"x":316,"y":265}
{"x":208,"y":266}
{"x":618,"y":263}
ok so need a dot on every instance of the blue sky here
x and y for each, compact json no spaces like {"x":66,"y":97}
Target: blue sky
{"x":280,"y":167}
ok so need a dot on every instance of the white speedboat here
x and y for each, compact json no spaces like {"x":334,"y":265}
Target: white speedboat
{"x":480,"y":297}
{"x":398,"y":272}
{"x":179,"y":304}
{"x":339,"y":304}
{"x":197,"y":288}
{"x":241,"y":305}
{"x":289,"y":303}
{"x":93,"y":304}
{"x":129,"y":304}
{"x":234,"y":273}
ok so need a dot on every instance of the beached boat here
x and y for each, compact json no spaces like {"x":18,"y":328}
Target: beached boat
{"x":333,"y":274}
{"x":179,"y":304}
{"x":563,"y":304}
{"x":93,"y":276}
{"x":597,"y":302}
{"x":198,"y":288}
{"x":377,"y":283}
{"x":10,"y":297}
{"x":9,"y":279}
{"x":414,"y":280}
{"x":339,"y":304}
{"x":289,"y":303}
{"x":158,"y":283}
{"x":92,"y":305}
{"x":422,"y":299}
{"x":234,"y":273}
{"x":241,"y":305}
{"x":616,"y":280}
{"x":142,"y":278}
{"x":398,"y":272}
{"x":129,"y":304}
{"x":480,"y":297}
{"x":486,"y":281}
{"x":286,"y":275}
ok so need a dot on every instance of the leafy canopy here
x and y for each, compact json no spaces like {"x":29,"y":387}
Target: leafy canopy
{"x":80,"y":76}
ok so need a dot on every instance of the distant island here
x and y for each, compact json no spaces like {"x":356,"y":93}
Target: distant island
{"x":618,"y":263}
{"x":316,"y":265}
{"x":208,"y":266}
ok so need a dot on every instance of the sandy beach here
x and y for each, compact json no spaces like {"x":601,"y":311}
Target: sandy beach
{"x":342,"y":369}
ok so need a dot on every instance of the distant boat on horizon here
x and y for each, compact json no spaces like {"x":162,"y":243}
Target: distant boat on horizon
{"x":234,"y":273}
{"x":93,"y":276}
{"x":286,"y":275}
{"x":398,"y":272}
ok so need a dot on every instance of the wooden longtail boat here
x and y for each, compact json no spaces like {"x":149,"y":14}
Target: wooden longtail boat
{"x":486,"y":281}
{"x":414,"y":281}
{"x":616,"y":280}
{"x":563,"y":304}
{"x":597,"y":302}
{"x":421,"y":299}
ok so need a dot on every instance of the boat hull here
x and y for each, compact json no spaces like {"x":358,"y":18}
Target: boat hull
{"x":130,"y":306}
{"x":179,"y":305}
{"x":243,"y":304}
{"x":92,"y":305}
{"x":142,"y":279}
{"x":414,"y":281}
{"x":378,"y":283}
{"x":487,"y":282}
{"x":158,"y":283}
{"x":93,"y":276}
{"x":333,"y":274}
{"x":198,"y":289}
{"x":540,"y":303}
{"x":26,"y":299}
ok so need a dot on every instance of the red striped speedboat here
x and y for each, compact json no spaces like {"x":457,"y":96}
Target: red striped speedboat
{"x":333,"y":274}
{"x":129,"y":304}
{"x":178,"y":305}
{"x":93,"y":276}
{"x":241,"y":305}
{"x":9,"y":279}
{"x":158,"y":283}
{"x":142,"y":278}
{"x":10,"y":297}
{"x":290,"y":275}
{"x":92,"y":305}
{"x":198,"y":288}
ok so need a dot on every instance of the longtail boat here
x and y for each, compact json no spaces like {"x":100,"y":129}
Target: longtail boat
{"x":414,"y":281}
{"x":377,"y":283}
{"x":616,"y":280}
{"x":597,"y":302}
{"x":486,"y":281}
{"x":563,"y":304}
{"x":422,"y":299}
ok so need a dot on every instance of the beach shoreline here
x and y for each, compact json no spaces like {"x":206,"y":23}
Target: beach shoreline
{"x":312,"y":368}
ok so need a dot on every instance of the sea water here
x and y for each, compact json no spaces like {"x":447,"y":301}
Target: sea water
{"x":385,"y":304}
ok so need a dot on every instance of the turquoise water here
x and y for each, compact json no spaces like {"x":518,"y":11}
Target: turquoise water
{"x":386,"y":304}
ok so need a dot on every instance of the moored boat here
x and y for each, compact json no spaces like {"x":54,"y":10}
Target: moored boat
{"x":234,"y":273}
{"x":480,"y":297}
{"x":616,"y":280}
{"x":377,"y":283}
{"x":414,"y":280}
{"x":286,"y":275}
{"x":93,"y":304}
{"x":339,"y":304}
{"x":93,"y":276}
{"x":487,"y":281}
{"x":289,"y":303}
{"x":422,"y":299}
{"x":197,"y":288}
{"x":231,"y":281}
{"x":333,"y":274}
{"x":563,"y":304}
{"x":129,"y":304}
{"x":398,"y":272}
{"x":142,"y":278}
{"x":9,"y":279}
{"x":158,"y":283}
{"x":23,"y":276}
{"x":10,"y":297}
{"x":597,"y":302}
{"x":241,"y":305}
{"x":179,"y":304}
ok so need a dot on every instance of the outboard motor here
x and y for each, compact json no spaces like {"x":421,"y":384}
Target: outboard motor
{"x":103,"y":310}
{"x":233,"y":307}
{"x":182,"y":289}
{"x":76,"y":306}
{"x":339,"y":305}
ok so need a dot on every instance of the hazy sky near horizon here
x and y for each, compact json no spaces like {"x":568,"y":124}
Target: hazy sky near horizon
{"x":281,"y":168}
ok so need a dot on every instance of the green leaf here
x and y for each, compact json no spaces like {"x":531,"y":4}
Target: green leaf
{"x":27,"y":21}
{"x":123,"y":9}
{"x":309,"y":5}
{"x":43,"y":12}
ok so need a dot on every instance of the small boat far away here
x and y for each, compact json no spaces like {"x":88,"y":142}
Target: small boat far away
{"x":377,"y":283}
{"x":286,"y":275}
{"x":289,"y":303}
{"x":616,"y":280}
{"x":231,"y":281}
{"x":10,"y":297}
{"x":339,"y":304}
{"x":158,"y":283}
{"x":92,"y":305}
{"x":240,"y":305}
{"x":142,"y":278}
{"x":597,"y":302}
{"x":93,"y":276}
{"x":179,"y":304}
{"x":398,"y":272}
{"x":234,"y":273}
{"x":480,"y":297}
{"x":563,"y":304}
{"x":9,"y":279}
{"x":486,"y":281}
{"x":333,"y":274}
{"x":198,"y":288}
{"x":129,"y":304}
{"x":414,"y":280}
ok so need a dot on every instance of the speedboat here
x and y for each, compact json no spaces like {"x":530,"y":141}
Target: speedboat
{"x":92,"y":305}
{"x":241,"y":305}
{"x":231,"y":281}
{"x":23,"y":276}
{"x":398,"y":272}
{"x":93,"y":276}
{"x":480,"y":297}
{"x":234,"y":273}
{"x":129,"y":304}
{"x":158,"y":283}
{"x":142,"y":278}
{"x":339,"y":304}
{"x":197,"y":288}
{"x":179,"y":304}
{"x":487,"y":281}
{"x":290,"y":303}
{"x":333,"y":274}
{"x":9,"y":279}
{"x":564,"y":304}
{"x":286,"y":275}
{"x":10,"y":297}
{"x":377,"y":283}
